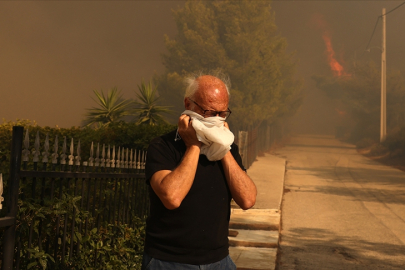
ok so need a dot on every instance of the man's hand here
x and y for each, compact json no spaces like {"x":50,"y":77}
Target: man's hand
{"x":187,"y":132}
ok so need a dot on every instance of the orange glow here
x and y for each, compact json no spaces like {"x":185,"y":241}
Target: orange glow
{"x":335,"y":66}
{"x":341,"y":113}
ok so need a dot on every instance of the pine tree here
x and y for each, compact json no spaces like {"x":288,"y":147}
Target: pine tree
{"x":240,"y":39}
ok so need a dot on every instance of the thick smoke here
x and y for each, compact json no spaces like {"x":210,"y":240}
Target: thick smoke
{"x":55,"y":53}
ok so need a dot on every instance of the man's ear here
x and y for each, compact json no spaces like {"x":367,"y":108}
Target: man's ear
{"x":187,"y":103}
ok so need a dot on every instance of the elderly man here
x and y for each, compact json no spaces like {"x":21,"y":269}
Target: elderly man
{"x":193,"y":176}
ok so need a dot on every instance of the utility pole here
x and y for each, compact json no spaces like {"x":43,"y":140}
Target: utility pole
{"x":383,"y":121}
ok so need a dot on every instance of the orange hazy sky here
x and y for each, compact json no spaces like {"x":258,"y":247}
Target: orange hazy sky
{"x":53,"y":54}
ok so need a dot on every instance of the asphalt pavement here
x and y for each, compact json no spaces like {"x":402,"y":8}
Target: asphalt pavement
{"x":341,"y":210}
{"x":254,"y":233}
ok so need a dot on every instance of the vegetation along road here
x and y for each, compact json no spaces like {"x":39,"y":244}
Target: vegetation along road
{"x":340,"y":209}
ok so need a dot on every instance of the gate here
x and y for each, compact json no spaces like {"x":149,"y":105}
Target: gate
{"x":74,"y":198}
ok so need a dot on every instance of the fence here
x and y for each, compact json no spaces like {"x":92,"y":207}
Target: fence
{"x":64,"y":199}
{"x":256,"y":141}
{"x":63,"y":202}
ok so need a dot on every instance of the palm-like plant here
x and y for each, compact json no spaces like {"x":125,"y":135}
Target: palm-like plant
{"x":147,"y":110}
{"x":111,"y":108}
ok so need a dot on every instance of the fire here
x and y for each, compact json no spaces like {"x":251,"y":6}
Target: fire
{"x":335,"y":66}
{"x":341,"y":113}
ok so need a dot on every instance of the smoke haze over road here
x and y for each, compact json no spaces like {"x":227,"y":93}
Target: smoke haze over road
{"x":54,"y":54}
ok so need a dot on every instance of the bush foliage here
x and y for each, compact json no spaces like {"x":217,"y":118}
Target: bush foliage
{"x":111,"y":246}
{"x":395,"y":142}
{"x":127,"y":135}
{"x":358,"y":96}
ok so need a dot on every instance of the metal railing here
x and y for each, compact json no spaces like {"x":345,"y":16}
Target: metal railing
{"x":53,"y":204}
{"x":256,"y":141}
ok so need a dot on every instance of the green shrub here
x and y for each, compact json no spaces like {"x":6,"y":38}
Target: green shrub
{"x":127,"y":135}
{"x":112,"y":246}
{"x":118,"y":247}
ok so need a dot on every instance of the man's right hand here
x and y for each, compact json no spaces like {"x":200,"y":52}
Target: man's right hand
{"x":187,"y":132}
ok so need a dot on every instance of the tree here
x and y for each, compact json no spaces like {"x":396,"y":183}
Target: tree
{"x":147,"y":110}
{"x":359,"y":95}
{"x":111,"y":108}
{"x":239,"y":38}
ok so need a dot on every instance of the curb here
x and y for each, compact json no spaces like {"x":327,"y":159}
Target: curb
{"x":254,"y":235}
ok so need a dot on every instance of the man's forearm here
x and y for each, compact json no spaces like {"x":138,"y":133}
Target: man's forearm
{"x":242,"y":188}
{"x":173,"y":186}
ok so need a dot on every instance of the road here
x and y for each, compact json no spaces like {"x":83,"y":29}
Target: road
{"x":340,"y":210}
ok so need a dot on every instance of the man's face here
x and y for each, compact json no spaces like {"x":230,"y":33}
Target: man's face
{"x":211,"y":97}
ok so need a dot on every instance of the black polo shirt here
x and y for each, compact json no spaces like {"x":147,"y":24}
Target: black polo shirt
{"x":197,"y":231}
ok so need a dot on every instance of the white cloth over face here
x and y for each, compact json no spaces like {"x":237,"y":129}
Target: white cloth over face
{"x":216,"y":138}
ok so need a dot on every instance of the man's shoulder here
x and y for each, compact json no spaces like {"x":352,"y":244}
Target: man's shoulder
{"x":165,"y":137}
{"x":167,"y":140}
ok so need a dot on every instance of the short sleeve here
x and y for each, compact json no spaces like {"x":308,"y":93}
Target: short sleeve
{"x":160,"y":156}
{"x":236,"y":156}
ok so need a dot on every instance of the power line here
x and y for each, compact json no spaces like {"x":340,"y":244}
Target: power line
{"x":372,"y":34}
{"x":393,"y":9}
{"x":376,"y":23}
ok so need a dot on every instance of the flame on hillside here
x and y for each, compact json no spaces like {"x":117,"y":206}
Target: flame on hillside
{"x":335,"y":66}
{"x":340,"y":112}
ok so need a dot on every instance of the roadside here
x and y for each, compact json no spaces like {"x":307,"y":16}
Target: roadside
{"x":342,"y":210}
{"x":254,"y":233}
{"x":396,"y":161}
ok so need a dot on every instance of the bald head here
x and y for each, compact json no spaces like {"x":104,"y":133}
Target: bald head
{"x":209,"y":92}
{"x":210,"y":89}
{"x":192,"y":82}
{"x":208,"y":81}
